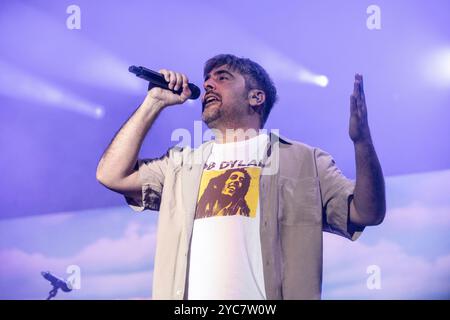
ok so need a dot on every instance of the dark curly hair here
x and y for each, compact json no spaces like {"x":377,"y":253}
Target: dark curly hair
{"x":255,"y":78}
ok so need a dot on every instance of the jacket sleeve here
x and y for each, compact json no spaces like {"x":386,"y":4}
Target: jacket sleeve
{"x":336,"y":193}
{"x":151,"y":176}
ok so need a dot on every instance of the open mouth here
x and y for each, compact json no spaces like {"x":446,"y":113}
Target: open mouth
{"x":210,"y":100}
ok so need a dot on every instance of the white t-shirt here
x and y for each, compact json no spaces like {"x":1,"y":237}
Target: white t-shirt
{"x":225,"y":259}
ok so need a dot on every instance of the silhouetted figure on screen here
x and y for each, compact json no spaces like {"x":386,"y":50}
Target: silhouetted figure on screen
{"x":57,"y":283}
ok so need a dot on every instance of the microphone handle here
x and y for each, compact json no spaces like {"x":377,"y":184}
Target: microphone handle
{"x":156,"y":79}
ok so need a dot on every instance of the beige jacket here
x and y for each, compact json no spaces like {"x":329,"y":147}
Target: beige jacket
{"x":302,"y":193}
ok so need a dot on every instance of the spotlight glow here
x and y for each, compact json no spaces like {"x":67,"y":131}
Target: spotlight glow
{"x":322,"y":81}
{"x":19,"y":84}
{"x":93,"y":64}
{"x":436,"y":68}
{"x":309,"y":77}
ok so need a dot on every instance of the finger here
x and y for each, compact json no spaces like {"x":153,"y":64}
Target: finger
{"x":362,"y":102}
{"x":359,"y":107}
{"x":165,"y":73}
{"x":356,"y":91}
{"x":186,"y":91}
{"x":185,"y":79}
{"x":179,"y":81}
{"x":353,"y":107}
{"x":172,"y":80}
{"x":361,"y":86}
{"x":359,"y":101}
{"x":363,"y":108}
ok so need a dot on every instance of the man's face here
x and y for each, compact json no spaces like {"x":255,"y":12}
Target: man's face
{"x":233,"y":183}
{"x":225,"y":99}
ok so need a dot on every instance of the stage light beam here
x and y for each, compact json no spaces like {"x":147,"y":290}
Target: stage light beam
{"x":21,"y":85}
{"x":284,"y":68}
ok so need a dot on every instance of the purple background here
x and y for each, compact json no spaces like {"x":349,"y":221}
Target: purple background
{"x":50,"y":151}
{"x":65,"y":93}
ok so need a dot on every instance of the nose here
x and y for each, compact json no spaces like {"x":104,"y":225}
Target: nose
{"x":209,"y":85}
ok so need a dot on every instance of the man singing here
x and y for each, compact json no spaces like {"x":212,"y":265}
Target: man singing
{"x":266,"y":243}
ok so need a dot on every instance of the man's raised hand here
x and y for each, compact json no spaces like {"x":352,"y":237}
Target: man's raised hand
{"x":359,"y":126}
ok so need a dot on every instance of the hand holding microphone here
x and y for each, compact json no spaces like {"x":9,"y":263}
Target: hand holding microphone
{"x":167,"y":86}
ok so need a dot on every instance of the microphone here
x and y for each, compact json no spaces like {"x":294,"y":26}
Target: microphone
{"x":156,"y":79}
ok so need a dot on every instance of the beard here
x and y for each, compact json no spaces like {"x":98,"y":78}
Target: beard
{"x":223,"y":114}
{"x":225,"y":199}
{"x":210,"y":115}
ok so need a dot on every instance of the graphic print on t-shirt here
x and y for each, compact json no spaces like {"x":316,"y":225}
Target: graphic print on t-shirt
{"x":228,"y":192}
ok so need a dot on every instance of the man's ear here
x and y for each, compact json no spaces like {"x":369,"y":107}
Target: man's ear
{"x":256,"y":98}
